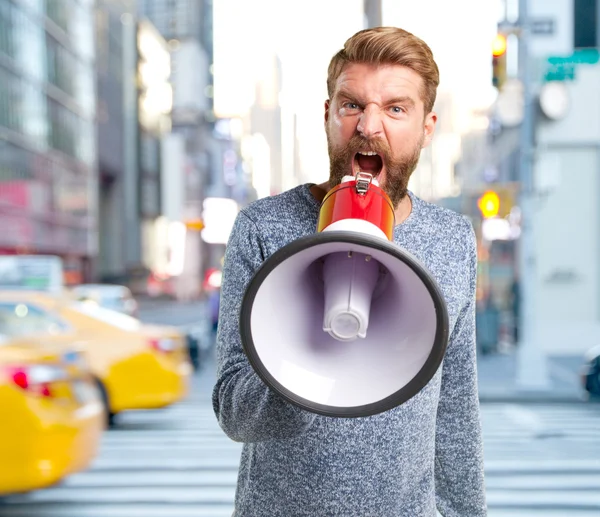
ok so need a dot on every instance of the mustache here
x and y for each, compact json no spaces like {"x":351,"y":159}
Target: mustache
{"x":359,"y":143}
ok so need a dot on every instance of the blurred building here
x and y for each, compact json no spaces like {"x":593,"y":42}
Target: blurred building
{"x":268,"y":134}
{"x":48,"y":157}
{"x":134,"y":104}
{"x":197,"y":158}
{"x":119,"y":229}
{"x":265,"y":125}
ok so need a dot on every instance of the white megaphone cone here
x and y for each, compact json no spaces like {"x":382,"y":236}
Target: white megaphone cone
{"x":344,"y":322}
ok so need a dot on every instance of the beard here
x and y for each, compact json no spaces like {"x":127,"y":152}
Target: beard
{"x":398,"y":170}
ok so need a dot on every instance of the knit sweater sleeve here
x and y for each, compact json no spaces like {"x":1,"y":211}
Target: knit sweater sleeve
{"x":247,"y":410}
{"x":459,"y":471}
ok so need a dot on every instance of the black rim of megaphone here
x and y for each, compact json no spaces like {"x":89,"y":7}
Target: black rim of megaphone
{"x":399,"y":397}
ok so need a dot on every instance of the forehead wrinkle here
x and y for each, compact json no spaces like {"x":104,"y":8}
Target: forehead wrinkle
{"x":393,"y":99}
{"x":348,"y":95}
{"x":395,"y":81}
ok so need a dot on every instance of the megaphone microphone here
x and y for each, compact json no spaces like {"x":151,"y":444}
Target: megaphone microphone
{"x":345,"y":322}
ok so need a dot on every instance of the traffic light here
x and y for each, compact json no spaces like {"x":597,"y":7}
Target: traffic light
{"x":489,"y":204}
{"x":499,"y":46}
{"x":194,"y":225}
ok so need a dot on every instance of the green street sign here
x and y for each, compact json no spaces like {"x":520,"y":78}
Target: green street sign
{"x":562,"y":72}
{"x":562,"y":68}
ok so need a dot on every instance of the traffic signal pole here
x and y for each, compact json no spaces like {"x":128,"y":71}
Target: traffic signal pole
{"x":372,"y":13}
{"x":532,"y":367}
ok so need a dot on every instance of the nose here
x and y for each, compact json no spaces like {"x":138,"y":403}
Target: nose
{"x":370,"y":124}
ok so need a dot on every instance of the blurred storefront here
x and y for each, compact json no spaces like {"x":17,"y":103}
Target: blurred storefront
{"x":48,"y":174}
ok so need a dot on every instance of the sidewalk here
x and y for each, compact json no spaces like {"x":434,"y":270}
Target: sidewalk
{"x":498,"y":380}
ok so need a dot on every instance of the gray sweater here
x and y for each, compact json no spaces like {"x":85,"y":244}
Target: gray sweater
{"x":401,"y":463}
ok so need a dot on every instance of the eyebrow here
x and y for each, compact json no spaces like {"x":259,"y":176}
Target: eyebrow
{"x":403,"y":99}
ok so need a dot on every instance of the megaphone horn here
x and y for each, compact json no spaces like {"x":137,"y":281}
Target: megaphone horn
{"x":344,"y":322}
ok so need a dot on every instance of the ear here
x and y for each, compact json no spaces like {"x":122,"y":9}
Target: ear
{"x":429,"y":128}
{"x":327,"y":104}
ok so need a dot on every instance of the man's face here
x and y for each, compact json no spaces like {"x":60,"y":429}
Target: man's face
{"x":376,"y":123}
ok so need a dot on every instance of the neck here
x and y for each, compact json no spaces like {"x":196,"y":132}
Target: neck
{"x":401,"y":212}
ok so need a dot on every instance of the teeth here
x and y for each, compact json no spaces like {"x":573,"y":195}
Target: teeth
{"x":367,"y":153}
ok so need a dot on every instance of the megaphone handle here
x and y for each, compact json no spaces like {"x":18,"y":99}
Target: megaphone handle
{"x":363,"y":182}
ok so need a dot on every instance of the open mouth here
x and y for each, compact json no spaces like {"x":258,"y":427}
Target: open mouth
{"x":367,"y":161}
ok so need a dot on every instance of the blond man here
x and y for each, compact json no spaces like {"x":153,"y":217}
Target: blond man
{"x":425,"y":454}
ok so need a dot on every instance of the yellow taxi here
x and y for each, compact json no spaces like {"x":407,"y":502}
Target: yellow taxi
{"x":136,"y":366}
{"x":51,"y":412}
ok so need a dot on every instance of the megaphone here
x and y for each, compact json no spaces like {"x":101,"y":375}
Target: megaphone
{"x":345,"y":323}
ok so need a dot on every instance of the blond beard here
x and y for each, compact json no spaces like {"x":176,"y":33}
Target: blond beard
{"x":398,"y":170}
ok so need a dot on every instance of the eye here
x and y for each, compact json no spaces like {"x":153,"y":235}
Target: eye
{"x":397,"y":110}
{"x":351,"y":105}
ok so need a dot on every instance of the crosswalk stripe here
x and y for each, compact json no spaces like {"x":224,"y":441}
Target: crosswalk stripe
{"x":154,"y":478}
{"x":114,"y":510}
{"x":541,"y":465}
{"x":552,"y":481}
{"x":543,"y":512}
{"x":541,"y":460}
{"x":573,"y":499}
{"x":168,"y":438}
{"x":220,"y":461}
{"x":177,"y":462}
{"x":133,"y":494}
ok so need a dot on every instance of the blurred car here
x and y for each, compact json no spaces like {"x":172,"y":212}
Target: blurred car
{"x":136,"y":366}
{"x":51,"y":412}
{"x":590,"y":377}
{"x":119,"y":298}
{"x":115,"y":297}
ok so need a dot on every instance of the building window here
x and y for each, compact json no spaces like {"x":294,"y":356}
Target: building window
{"x":585,"y":30}
{"x":23,"y":108}
{"x":7,"y":12}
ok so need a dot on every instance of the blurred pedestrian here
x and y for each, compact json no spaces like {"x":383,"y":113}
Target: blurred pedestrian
{"x":214,"y":303}
{"x":515,"y":306}
{"x":426,"y":453}
{"x":212,"y":286}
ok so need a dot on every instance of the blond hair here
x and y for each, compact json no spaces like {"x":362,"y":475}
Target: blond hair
{"x":388,"y":46}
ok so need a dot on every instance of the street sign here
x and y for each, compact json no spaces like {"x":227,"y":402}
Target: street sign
{"x":506,"y":27}
{"x":562,"y":68}
{"x":542,"y":26}
{"x":537,"y":26}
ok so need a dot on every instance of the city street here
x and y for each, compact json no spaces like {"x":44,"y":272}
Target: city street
{"x":540,"y":460}
{"x":141,"y":141}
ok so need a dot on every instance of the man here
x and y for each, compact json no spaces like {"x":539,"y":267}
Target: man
{"x":426,"y":452}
